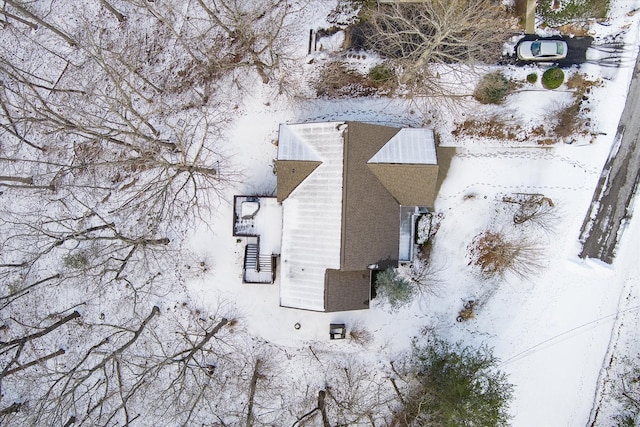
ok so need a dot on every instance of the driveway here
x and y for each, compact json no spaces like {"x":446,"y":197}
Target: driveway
{"x":576,"y":52}
{"x":611,"y":203}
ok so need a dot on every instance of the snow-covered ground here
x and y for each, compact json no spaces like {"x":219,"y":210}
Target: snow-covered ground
{"x":563,"y":333}
{"x":553,"y":330}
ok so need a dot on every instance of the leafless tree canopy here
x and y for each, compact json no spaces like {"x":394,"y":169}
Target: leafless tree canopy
{"x":496,"y":254}
{"x":112,"y":118}
{"x":437,"y":32}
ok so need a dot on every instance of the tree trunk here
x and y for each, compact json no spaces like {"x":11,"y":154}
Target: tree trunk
{"x":23,"y":179}
{"x":40,"y":21}
{"x":323,"y":410}
{"x":17,"y":18}
{"x":205,"y":339}
{"x":252,"y":392}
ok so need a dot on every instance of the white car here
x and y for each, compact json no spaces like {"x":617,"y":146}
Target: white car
{"x":542,"y":50}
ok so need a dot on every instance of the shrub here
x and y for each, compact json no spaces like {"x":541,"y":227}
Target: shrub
{"x":76,"y":261}
{"x":381,"y":75}
{"x":494,"y":127}
{"x":492,"y":89}
{"x":534,"y":208}
{"x":572,"y":10}
{"x":392,"y":288}
{"x":467,"y":311}
{"x":552,"y":78}
{"x":532,"y":77}
{"x":360,"y":335}
{"x":495,"y":255}
{"x":569,"y":121}
{"x":579,"y":83}
{"x":457,"y":386}
{"x":338,"y":80}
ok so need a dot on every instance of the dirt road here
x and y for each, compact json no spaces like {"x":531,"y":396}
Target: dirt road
{"x":618,"y":183}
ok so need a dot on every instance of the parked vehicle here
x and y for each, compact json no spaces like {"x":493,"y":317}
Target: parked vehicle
{"x":542,"y":50}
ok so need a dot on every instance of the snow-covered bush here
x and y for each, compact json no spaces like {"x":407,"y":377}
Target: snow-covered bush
{"x":492,"y":89}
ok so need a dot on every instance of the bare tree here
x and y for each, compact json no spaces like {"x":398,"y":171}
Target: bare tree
{"x":117,"y":139}
{"x":424,"y":275}
{"x":254,"y":32}
{"x":348,"y":392}
{"x":498,"y":254}
{"x":418,"y":35}
{"x":355,"y":394}
{"x":111,"y":374}
{"x":110,"y":150}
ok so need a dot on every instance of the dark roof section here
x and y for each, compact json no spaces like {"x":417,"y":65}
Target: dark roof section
{"x":410,"y":185}
{"x":290,"y":174}
{"x":347,"y":290}
{"x":370,"y":214}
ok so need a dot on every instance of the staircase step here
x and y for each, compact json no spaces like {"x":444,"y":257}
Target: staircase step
{"x":265,"y":263}
{"x":251,"y":257}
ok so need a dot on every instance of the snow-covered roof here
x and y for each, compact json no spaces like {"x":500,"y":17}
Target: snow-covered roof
{"x":311,"y":243}
{"x":341,"y":195}
{"x":293,"y":144}
{"x":408,"y":146}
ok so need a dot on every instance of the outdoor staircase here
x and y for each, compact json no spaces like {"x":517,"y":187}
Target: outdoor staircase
{"x":251,"y":257}
{"x":257,"y":268}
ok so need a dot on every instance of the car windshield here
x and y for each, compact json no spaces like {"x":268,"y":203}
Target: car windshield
{"x":535,"y":48}
{"x":559,"y":48}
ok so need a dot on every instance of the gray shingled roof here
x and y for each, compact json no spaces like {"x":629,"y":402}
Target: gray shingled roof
{"x":347,"y":290}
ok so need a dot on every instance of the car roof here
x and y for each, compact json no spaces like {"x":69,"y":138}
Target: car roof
{"x":549,"y":47}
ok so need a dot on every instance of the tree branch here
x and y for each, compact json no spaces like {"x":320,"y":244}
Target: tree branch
{"x":42,"y":22}
{"x":41,"y":333}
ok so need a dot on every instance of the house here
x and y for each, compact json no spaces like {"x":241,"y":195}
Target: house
{"x":350,"y":195}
